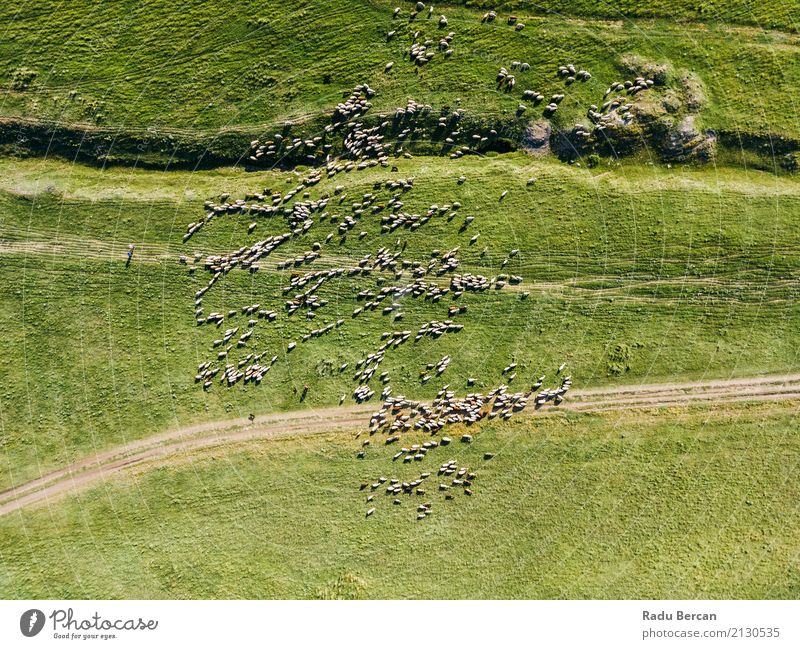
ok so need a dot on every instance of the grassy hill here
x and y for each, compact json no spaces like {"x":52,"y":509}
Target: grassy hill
{"x":630,"y":264}
{"x":634,"y":273}
{"x":680,"y":504}
{"x":767,"y":15}
{"x":130,"y":80}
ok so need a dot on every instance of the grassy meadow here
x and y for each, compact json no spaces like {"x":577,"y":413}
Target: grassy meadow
{"x":203,"y":69}
{"x":635,"y":269}
{"x":767,"y":15}
{"x":634,"y":275}
{"x":687,"y":503}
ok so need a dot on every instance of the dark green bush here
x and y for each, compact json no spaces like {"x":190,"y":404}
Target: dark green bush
{"x":22,"y":78}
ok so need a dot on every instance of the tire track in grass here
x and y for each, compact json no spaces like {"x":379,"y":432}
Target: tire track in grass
{"x":161,"y":447}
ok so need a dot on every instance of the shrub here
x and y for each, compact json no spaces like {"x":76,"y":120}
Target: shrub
{"x":592,"y":160}
{"x":22,"y":78}
{"x":618,"y":357}
{"x":791,"y":161}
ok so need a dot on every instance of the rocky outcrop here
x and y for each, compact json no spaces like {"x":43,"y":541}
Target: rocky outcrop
{"x":536,"y":138}
{"x":685,"y":142}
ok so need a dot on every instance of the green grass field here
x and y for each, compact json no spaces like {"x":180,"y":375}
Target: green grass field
{"x":638,"y":264}
{"x":767,"y":15}
{"x":634,"y":275}
{"x":247,"y":67}
{"x":678,"y":504}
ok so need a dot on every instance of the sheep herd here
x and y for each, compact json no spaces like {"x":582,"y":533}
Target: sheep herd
{"x":391,"y":278}
{"x":399,"y":416}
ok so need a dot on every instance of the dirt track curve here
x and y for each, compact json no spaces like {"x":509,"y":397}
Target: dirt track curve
{"x":159,"y":447}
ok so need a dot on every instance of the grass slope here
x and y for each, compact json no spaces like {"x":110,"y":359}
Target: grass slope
{"x":768,"y":15}
{"x":206,"y":68}
{"x":634,"y":275}
{"x":684,"y":504}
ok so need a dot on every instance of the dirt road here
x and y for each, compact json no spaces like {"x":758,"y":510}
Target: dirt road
{"x":105,"y":464}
